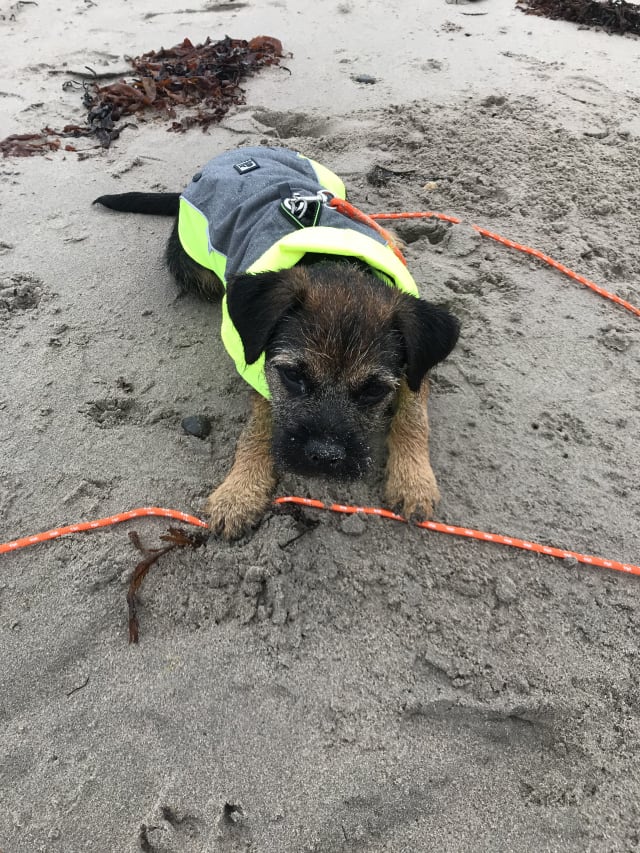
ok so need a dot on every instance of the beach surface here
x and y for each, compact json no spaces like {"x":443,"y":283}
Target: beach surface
{"x":328,"y":683}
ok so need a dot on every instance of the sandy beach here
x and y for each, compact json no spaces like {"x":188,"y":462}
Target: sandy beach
{"x":327,"y":683}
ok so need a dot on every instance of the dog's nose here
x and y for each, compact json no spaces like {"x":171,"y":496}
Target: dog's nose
{"x":325,"y":452}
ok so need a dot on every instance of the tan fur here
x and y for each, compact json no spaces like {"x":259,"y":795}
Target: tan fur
{"x":328,"y":356}
{"x":411,"y":484}
{"x":343,"y":339}
{"x":244,"y":496}
{"x":246,"y":493}
{"x":341,"y":344}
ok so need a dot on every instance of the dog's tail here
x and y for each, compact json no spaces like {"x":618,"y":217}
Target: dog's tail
{"x":158,"y":204}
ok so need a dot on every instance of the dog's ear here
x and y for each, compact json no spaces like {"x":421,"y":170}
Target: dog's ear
{"x":257,"y":302}
{"x":429,"y":334}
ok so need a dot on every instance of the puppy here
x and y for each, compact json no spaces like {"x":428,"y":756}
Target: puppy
{"x":323,"y":320}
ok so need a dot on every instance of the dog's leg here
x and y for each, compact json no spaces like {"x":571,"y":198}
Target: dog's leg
{"x":411,"y":483}
{"x":244,"y":496}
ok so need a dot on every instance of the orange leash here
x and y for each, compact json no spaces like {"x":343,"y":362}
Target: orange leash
{"x":84,"y":526}
{"x":467,"y":532}
{"x":428,"y":214}
{"x":349,"y":210}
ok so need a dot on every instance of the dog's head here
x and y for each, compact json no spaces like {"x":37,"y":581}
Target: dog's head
{"x":338,"y":342}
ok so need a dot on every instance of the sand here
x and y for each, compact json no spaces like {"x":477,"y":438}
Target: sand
{"x":344,"y":683}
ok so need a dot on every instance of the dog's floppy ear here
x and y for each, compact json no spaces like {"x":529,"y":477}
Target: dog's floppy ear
{"x":257,"y":302}
{"x":429,"y":334}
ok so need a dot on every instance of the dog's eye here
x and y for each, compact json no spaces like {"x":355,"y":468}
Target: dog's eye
{"x":373,"y":391}
{"x":294,"y":380}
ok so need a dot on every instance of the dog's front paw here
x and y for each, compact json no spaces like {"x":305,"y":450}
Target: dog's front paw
{"x":232,"y":512}
{"x":415,"y":497}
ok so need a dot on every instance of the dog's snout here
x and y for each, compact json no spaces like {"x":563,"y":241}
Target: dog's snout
{"x":325,"y":452}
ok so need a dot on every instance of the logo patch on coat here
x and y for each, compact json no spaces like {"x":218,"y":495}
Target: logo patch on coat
{"x":246,"y":166}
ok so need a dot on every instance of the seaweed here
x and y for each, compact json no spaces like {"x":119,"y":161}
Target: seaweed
{"x":177,"y":538}
{"x":203,"y":78}
{"x":615,"y":16}
{"x":206,"y":76}
{"x":28,"y":144}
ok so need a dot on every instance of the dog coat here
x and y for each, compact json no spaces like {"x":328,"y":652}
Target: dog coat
{"x":262,"y":209}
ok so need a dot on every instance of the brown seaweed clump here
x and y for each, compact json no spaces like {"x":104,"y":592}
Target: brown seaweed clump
{"x":192,"y":85}
{"x":614,"y":16}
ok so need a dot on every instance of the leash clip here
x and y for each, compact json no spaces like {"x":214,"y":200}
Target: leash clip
{"x":304,"y":210}
{"x":322,"y":196}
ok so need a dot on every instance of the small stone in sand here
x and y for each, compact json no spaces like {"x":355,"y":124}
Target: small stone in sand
{"x":197,"y":425}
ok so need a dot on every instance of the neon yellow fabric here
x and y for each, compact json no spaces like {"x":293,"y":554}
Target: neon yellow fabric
{"x":193,"y":230}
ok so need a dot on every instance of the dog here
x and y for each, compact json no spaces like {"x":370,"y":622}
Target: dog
{"x":323,"y":320}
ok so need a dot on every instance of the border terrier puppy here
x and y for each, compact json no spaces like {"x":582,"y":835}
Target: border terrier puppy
{"x":322,"y":319}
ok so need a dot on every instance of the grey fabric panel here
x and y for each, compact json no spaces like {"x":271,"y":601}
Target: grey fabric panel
{"x":243,"y":210}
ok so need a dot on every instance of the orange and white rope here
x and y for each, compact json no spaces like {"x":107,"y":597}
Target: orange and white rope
{"x":84,"y":526}
{"x":467,"y":532}
{"x":497,"y":538}
{"x":470,"y":533}
{"x":511,"y":244}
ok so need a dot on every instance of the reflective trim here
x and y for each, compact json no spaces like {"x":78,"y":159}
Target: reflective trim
{"x":336,"y":241}
{"x":193,"y":230}
{"x":251,"y":373}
